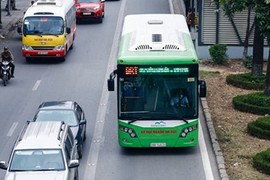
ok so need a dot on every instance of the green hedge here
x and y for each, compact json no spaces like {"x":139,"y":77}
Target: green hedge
{"x":218,"y":53}
{"x":256,"y":103}
{"x":246,"y":81}
{"x":261,"y":161}
{"x":260,"y":128}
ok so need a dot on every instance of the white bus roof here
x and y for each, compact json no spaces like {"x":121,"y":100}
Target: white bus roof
{"x":156,"y":31}
{"x":49,"y":8}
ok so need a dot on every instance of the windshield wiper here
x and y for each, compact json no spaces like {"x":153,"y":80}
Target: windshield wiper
{"x":52,"y":34}
{"x":47,"y":169}
{"x":140,"y":118}
{"x":36,"y":32}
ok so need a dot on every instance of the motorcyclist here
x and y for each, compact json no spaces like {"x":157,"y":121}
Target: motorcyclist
{"x":7,"y":55}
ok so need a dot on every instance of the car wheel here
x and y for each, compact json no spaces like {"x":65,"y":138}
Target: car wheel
{"x":76,"y":175}
{"x":80,"y":149}
{"x":100,"y":19}
{"x":28,"y":59}
{"x":84,"y":135}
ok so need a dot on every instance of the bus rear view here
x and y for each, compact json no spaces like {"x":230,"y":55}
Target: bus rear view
{"x":157,"y":83}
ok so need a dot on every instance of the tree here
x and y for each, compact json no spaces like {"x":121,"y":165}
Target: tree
{"x":230,"y":7}
{"x":263,"y":14}
{"x":262,"y":30}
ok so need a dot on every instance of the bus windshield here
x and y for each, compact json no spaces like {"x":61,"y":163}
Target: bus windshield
{"x":165,"y":95}
{"x":43,"y":26}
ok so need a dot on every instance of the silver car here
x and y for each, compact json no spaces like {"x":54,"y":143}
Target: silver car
{"x":43,"y":151}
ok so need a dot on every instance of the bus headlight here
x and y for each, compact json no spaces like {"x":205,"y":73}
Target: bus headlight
{"x":59,"y":48}
{"x":130,"y":131}
{"x":187,"y":130}
{"x":27,"y":48}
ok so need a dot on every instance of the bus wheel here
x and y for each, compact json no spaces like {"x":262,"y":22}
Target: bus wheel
{"x":71,"y":47}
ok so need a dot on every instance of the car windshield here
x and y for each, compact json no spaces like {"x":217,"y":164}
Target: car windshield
{"x":86,"y":1}
{"x":68,"y":116}
{"x":37,"y":160}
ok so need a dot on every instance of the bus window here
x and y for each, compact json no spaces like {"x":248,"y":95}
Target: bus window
{"x":132,"y":94}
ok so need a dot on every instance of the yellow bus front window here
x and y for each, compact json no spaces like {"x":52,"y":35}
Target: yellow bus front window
{"x":43,"y":26}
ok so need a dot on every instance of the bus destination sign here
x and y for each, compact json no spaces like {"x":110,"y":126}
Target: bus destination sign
{"x":135,"y":70}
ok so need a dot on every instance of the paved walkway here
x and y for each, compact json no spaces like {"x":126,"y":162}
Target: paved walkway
{"x":9,"y":20}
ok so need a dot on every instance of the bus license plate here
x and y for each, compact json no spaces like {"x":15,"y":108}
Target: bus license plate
{"x":42,"y":52}
{"x":158,"y":144}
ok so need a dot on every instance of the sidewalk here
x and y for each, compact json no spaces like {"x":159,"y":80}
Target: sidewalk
{"x":9,"y":21}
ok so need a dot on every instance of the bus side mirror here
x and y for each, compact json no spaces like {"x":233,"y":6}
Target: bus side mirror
{"x":19,"y":30}
{"x":68,"y":30}
{"x":19,"y":27}
{"x":110,"y":81}
{"x":202,"y":88}
{"x":110,"y":84}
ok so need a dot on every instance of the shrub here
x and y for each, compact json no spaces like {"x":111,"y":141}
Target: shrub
{"x":260,"y":128}
{"x":261,"y":161}
{"x":248,"y":62}
{"x":256,"y":103}
{"x":218,"y":53}
{"x":246,"y":81}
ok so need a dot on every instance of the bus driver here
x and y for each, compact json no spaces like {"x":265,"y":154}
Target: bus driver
{"x":179,"y":99}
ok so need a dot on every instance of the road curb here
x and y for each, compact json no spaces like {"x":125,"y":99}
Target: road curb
{"x":215,"y":145}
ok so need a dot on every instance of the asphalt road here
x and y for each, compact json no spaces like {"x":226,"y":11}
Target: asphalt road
{"x":82,"y":78}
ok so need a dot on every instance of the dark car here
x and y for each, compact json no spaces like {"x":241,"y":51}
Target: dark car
{"x":68,"y":111}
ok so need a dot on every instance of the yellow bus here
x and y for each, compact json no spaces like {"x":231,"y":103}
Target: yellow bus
{"x":48,"y":29}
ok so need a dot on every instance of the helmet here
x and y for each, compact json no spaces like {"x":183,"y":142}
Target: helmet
{"x":5,"y":48}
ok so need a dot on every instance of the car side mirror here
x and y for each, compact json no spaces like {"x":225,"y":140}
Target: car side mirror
{"x":68,"y":30}
{"x":82,"y":122}
{"x":74,"y":163}
{"x":3,"y":165}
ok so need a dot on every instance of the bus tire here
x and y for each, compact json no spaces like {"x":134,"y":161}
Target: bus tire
{"x":71,"y":47}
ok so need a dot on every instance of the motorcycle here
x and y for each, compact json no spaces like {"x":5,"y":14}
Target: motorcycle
{"x":5,"y":72}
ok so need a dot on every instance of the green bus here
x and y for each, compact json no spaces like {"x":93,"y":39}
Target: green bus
{"x":157,"y":83}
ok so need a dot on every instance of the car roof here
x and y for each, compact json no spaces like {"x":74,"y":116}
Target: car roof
{"x":47,"y":134}
{"x":57,"y":105}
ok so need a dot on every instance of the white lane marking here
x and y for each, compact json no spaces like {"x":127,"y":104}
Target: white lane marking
{"x":98,"y":137}
{"x":12,"y":129}
{"x":36,"y":85}
{"x":204,"y":155}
